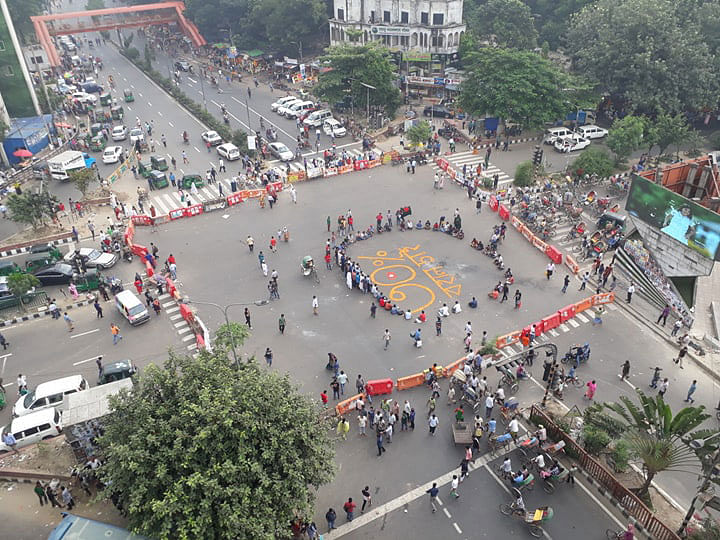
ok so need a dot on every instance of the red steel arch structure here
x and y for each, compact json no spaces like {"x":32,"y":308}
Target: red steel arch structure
{"x":57,"y":24}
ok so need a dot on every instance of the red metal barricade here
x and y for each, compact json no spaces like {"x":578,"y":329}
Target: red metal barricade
{"x":379,"y":387}
{"x":442,"y":163}
{"x":139,"y":250}
{"x":193,"y":210}
{"x":539,"y":328}
{"x":493,"y":203}
{"x":141,"y":220}
{"x":551,"y":321}
{"x":235,"y":198}
{"x":360,"y":164}
{"x":176,"y":214}
{"x":568,"y":312}
{"x":555,"y":255}
{"x":503,"y":212}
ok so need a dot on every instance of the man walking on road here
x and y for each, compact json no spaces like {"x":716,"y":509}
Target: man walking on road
{"x":691,"y":391}
{"x":630,"y":291}
{"x":433,"y":491}
{"x":387,"y":338}
{"x":69,"y":322}
{"x":454,"y":486}
{"x":433,"y":423}
{"x":315,"y":305}
{"x":281,"y":323}
{"x":98,"y":309}
{"x":247,"y":318}
{"x":664,"y":315}
{"x":585,"y":278}
{"x":115,"y":331}
{"x":566,"y":282}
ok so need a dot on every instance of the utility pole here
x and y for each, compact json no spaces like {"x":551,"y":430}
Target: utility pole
{"x":713,"y":470}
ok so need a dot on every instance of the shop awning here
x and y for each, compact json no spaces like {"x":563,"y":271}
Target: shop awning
{"x":255,"y":53}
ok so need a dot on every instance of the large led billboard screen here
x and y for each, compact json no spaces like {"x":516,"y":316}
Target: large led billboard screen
{"x":687,"y":222}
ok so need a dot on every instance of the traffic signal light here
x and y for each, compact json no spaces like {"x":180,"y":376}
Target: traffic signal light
{"x":537,"y":156}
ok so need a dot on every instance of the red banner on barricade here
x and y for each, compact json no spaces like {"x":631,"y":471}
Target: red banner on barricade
{"x":194,"y":210}
{"x":233,"y":199}
{"x":139,"y":250}
{"x":571,"y":264}
{"x":555,"y":255}
{"x":252,"y":193}
{"x":493,"y":203}
{"x":373,"y":163}
{"x":360,"y":164}
{"x":503,"y":212}
{"x":345,"y":169}
{"x":296,"y":176}
{"x":176,"y":214}
{"x":141,"y":220}
{"x":603,"y":298}
{"x":527,"y":233}
{"x":442,"y":163}
{"x":539,"y":244}
{"x":331,"y":171}
{"x":515,"y":222}
{"x":277,"y":186}
{"x":451,"y":173}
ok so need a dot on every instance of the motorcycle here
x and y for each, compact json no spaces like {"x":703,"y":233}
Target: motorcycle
{"x":577,"y":354}
{"x":226,"y":118}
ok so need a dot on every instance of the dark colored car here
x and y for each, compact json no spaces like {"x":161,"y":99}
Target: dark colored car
{"x":57,"y":274}
{"x":91,"y":88}
{"x":438,"y":111}
{"x":117,"y":371}
{"x":182,"y":65}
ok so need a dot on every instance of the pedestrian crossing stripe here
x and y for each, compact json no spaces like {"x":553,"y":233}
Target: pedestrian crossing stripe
{"x":581,"y":317}
{"x":573,"y":323}
{"x":554,"y":333}
{"x":590,"y":313}
{"x":611,"y":307}
{"x":564,"y":327}
{"x":543,"y":337}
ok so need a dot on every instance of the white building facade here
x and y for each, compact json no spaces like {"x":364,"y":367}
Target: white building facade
{"x":421,"y":26}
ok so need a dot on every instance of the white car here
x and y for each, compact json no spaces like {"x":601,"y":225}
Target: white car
{"x":136,"y":134}
{"x":112,"y":154}
{"x":284,"y":110}
{"x":280,"y":151}
{"x":211,"y":137}
{"x":84,"y":97}
{"x":65,"y":89}
{"x":93,"y":257}
{"x":119,"y":133}
{"x":571,"y":143}
{"x":333,"y":128}
{"x":282,"y":102}
{"x":229,"y":151}
{"x":591,"y":131}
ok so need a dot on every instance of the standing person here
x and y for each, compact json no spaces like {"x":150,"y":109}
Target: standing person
{"x":50,"y":493}
{"x":464,"y":469}
{"x":273,"y":244}
{"x":585,"y":278}
{"x":4,"y":342}
{"x":386,"y":338}
{"x":566,"y":282}
{"x":373,"y":310}
{"x":438,"y":327}
{"x":518,"y":297}
{"x":625,"y":370}
{"x":676,"y":327}
{"x":250,"y":243}
{"x":115,"y":332}
{"x":67,"y":498}
{"x":433,"y":423}
{"x":330,"y":517}
{"x":367,"y":499}
{"x":10,"y":441}
{"x":681,"y":355}
{"x":268,"y":356}
{"x":379,"y":442}
{"x":454,"y":486}
{"x":40,"y":492}
{"x":549,"y":270}
{"x":98,"y":363}
{"x":489,"y":403}
{"x":591,"y":388}
{"x":328,"y":223}
{"x":315,"y":305}
{"x":630,"y":291}
{"x":663,"y":387}
{"x":247,"y":318}
{"x":69,"y":322}
{"x":691,"y":391}
{"x":281,"y":323}
{"x":433,"y":491}
{"x":664,"y":315}
{"x":342,"y":378}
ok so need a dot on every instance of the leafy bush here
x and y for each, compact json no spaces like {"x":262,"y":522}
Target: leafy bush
{"x":132,"y":53}
{"x":595,"y":440}
{"x":595,"y":161}
{"x":620,"y":456}
{"x":714,"y":139}
{"x":524,"y":174}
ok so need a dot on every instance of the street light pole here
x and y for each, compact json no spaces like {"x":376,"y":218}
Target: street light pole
{"x":224,"y":310}
{"x":707,"y":479}
{"x":368,"y":88}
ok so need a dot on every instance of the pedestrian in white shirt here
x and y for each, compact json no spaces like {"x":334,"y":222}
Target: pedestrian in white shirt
{"x":514,"y":428}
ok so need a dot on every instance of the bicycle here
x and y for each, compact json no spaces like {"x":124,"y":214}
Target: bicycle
{"x":314,"y":275}
{"x":612,"y":534}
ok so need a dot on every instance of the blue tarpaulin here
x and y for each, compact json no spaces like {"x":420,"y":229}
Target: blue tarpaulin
{"x":30,"y":133}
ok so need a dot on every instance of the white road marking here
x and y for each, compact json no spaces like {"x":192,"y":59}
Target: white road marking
{"x":178,"y":325}
{"x":85,"y":333}
{"x":192,"y":347}
{"x":86,"y":361}
{"x":171,"y":124}
{"x":457,"y":528}
{"x":188,"y":338}
{"x":196,"y":149}
{"x":193,"y":80}
{"x":573,"y":323}
{"x":175,"y":317}
{"x":168,"y":304}
{"x":564,"y":327}
{"x":581,"y":317}
{"x":554,"y":333}
{"x":172,"y":309}
{"x":183,"y":330}
{"x":447,"y":513}
{"x":149,"y":104}
{"x":159,"y":113}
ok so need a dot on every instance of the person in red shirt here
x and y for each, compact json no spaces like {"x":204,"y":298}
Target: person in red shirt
{"x":327,"y":260}
{"x":273,"y":244}
{"x":350,"y":223}
{"x":139,"y":286}
{"x":324,"y":397}
{"x":422,"y":318}
{"x":171,"y":259}
{"x":349,"y":508}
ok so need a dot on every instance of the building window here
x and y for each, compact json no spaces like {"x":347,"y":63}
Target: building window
{"x":341,"y":14}
{"x":372,"y":16}
{"x":404,"y":17}
{"x":2,"y":45}
{"x":424,"y":17}
{"x":38,"y":60}
{"x":386,"y":16}
{"x":9,"y":71}
{"x":438,"y":19}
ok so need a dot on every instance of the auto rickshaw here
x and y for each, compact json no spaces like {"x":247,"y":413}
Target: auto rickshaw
{"x":145,"y":167}
{"x":159,"y":179}
{"x":96,"y":128}
{"x":105,"y":99}
{"x":105,"y":116}
{"x":8,"y":267}
{"x":87,"y":281}
{"x":35,"y":261}
{"x":117,"y":113}
{"x":97,"y":143}
{"x":307,"y":267}
{"x":159,"y":163}
{"x":129,"y":98}
{"x":188,"y":179}
{"x":610,"y":220}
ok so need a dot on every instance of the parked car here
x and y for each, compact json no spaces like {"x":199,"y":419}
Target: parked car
{"x":211,"y":137}
{"x":280,"y":151}
{"x":282,"y":102}
{"x":112,"y":154}
{"x":229,"y":151}
{"x":552,"y":134}
{"x":136,"y":134}
{"x":182,"y":65}
{"x":438,"y":111}
{"x":119,"y":133}
{"x":571,"y":143}
{"x":334,"y":128}
{"x":92,"y":257}
{"x":116,"y":371}
{"x":57,"y":274}
{"x":84,"y":97}
{"x":591,"y":131}
{"x":298,"y":109}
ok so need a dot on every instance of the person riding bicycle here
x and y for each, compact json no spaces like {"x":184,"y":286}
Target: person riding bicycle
{"x":519,"y":504}
{"x":539,"y":460}
{"x":629,"y":532}
{"x":520,"y":373}
{"x":506,"y":468}
{"x":222,"y":108}
{"x":185,"y":136}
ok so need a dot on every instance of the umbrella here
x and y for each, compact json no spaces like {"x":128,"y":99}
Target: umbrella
{"x":22,"y":153}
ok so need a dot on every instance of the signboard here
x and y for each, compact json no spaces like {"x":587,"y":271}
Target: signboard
{"x":416,"y":56}
{"x":390,"y":30}
{"x":432,"y":81}
{"x":689,"y":223}
{"x":251,"y":142}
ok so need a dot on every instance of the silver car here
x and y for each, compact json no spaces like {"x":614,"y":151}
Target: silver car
{"x":93,"y":258}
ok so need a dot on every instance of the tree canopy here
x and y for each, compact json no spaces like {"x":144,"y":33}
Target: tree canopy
{"x":509,"y":23}
{"x":352,"y":66}
{"x":31,"y":208}
{"x":626,"y":136}
{"x":202,"y":450}
{"x":21,"y":11}
{"x":419,"y":133}
{"x":517,"y":85}
{"x":652,"y":53}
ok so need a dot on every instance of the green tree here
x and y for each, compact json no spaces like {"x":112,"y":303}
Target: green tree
{"x":82,"y":178}
{"x":352,"y":66}
{"x":517,"y":85}
{"x":594,"y":160}
{"x":625,"y":136}
{"x":202,"y":450}
{"x":227,"y":336}
{"x":21,"y":11}
{"x":31,"y":208}
{"x":419,"y":133}
{"x":20,"y":283}
{"x":646,"y":52}
{"x":509,"y":23}
{"x":524,"y":174}
{"x":658,"y":437}
{"x":669,"y":130}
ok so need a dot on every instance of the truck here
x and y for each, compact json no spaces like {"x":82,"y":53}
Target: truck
{"x":68,"y":161}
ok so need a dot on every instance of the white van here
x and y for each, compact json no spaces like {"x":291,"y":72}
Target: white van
{"x":32,"y":428}
{"x":553,"y":134}
{"x":591,"y":131}
{"x":297,"y":109}
{"x":48,"y":394}
{"x":283,"y":102}
{"x":316,"y":118}
{"x":131,"y":308}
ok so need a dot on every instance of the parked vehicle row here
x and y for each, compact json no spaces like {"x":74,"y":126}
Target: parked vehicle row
{"x":565,"y":139}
